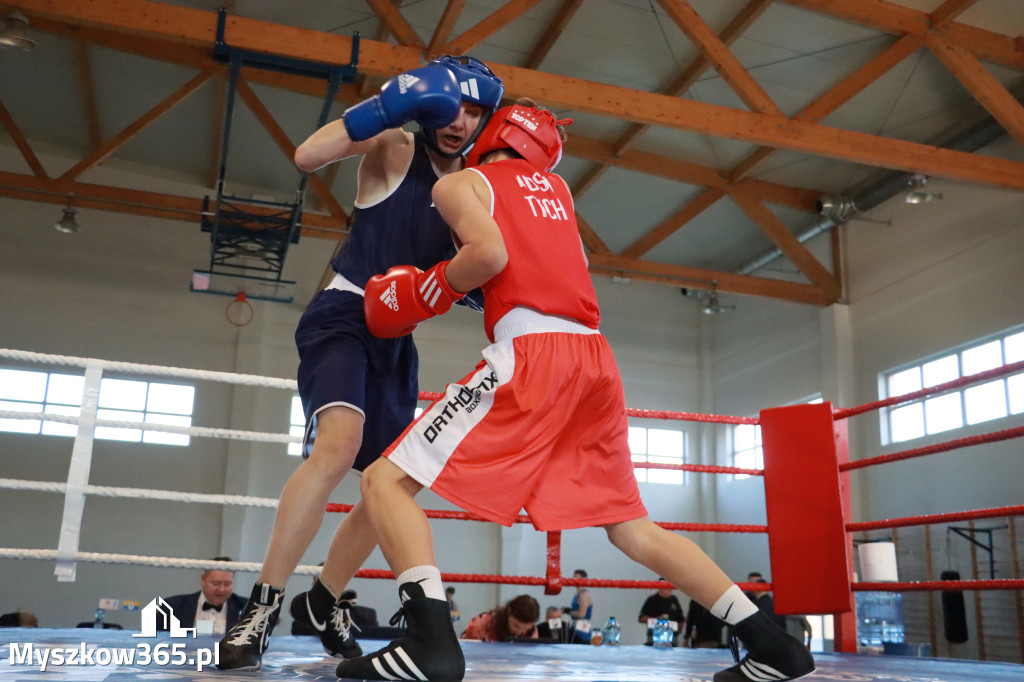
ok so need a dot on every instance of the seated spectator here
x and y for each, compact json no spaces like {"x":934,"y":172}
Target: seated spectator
{"x":581,"y":609}
{"x":453,"y":607}
{"x":800,"y":627}
{"x":517,"y":618}
{"x":766,"y":602}
{"x":562,"y":632}
{"x":703,"y":630}
{"x":662,"y":605}
{"x":19,"y":619}
{"x":215,"y":601}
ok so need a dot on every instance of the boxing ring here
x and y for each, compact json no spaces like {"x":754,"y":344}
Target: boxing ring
{"x":809,"y":439}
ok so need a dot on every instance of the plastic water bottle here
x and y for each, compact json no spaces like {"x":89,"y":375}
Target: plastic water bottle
{"x":97,"y":618}
{"x":662,"y":635}
{"x":612,"y":631}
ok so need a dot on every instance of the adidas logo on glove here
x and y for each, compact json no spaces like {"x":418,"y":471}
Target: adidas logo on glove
{"x":406,"y":81}
{"x":390,"y":297}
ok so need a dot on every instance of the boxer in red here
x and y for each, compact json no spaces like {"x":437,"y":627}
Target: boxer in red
{"x":539,"y":425}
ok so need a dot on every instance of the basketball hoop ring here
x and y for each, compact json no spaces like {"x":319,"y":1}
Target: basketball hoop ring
{"x":239,"y":312}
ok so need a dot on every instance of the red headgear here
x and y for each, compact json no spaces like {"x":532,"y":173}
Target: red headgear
{"x":531,"y":132}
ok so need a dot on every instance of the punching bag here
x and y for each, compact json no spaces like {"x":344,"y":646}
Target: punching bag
{"x":954,"y":614}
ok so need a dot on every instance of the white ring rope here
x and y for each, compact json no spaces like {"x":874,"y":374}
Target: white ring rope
{"x":77,"y":485}
{"x":140,"y":493}
{"x":140,"y":560}
{"x":199,"y":431}
{"x":155,"y":370}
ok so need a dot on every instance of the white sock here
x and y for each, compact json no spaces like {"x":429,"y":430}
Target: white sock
{"x":733,"y":606}
{"x":429,"y":578}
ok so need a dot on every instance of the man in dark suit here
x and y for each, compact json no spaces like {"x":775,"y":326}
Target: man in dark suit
{"x":215,"y":602}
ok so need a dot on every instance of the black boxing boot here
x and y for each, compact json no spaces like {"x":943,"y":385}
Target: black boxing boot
{"x":331,"y":619}
{"x":429,"y":650}
{"x":773,"y":655}
{"x":243,"y":646}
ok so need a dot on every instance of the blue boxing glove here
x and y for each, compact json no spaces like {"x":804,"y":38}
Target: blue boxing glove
{"x":429,"y":95}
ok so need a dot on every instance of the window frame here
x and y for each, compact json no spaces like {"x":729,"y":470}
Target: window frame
{"x":643,"y":475}
{"x":758,"y":449}
{"x":913,"y":420}
{"x":46,"y":405}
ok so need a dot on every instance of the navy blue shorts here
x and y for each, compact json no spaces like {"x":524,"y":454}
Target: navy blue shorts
{"x":342,"y":363}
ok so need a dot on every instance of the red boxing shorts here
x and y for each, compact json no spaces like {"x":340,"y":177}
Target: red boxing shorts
{"x":539,"y":425}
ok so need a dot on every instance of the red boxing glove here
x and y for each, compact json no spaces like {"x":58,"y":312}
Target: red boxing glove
{"x":398,"y":301}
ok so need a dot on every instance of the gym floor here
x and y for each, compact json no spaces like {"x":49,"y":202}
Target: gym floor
{"x":302,"y":658}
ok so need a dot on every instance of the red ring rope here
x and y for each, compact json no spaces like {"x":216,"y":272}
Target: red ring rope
{"x":993,"y":437}
{"x":995,"y":512}
{"x":939,"y":388}
{"x":941,"y":585}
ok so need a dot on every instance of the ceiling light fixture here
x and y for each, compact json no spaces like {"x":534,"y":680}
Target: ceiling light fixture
{"x":713,"y":307}
{"x":15,"y":32}
{"x":67,"y":224}
{"x":917,"y":194}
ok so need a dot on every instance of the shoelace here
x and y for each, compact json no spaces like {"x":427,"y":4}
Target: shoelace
{"x":252,"y":627}
{"x":341,"y":619}
{"x":398,"y":620}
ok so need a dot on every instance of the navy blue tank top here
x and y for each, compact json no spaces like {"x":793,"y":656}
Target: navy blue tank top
{"x":402,"y":229}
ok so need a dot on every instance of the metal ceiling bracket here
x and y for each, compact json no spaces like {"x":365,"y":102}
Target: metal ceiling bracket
{"x":249,"y":236}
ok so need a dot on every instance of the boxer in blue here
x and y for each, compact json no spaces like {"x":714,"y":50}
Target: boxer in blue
{"x":359,"y":392}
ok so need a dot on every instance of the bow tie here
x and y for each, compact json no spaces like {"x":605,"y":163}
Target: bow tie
{"x":207,"y":606}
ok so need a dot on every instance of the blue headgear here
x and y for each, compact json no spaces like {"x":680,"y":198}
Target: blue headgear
{"x":478,"y":85}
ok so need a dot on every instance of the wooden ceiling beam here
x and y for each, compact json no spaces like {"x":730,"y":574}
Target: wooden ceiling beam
{"x":21,"y":143}
{"x":588,"y":180}
{"x":194,"y":27}
{"x":718,"y":54}
{"x":980,"y":82}
{"x":699,"y":278}
{"x":396,"y":23}
{"x":286,"y":146}
{"x":740,"y":23}
{"x":690,"y":173}
{"x":98,"y":155}
{"x":490,"y":25}
{"x":551,"y":34}
{"x":843,"y":92}
{"x":590,"y":238}
{"x":794,"y":197}
{"x":88,"y":92}
{"x":787,"y":243}
{"x":947,"y":12}
{"x":444,"y":28}
{"x":893,"y":18}
{"x":673,"y":224}
{"x":137,"y":202}
{"x":192,"y":57}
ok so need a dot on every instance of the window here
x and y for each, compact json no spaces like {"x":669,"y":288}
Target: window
{"x":954,"y":409}
{"x":747,"y":452}
{"x":119,"y":399}
{"x":658,"y":446}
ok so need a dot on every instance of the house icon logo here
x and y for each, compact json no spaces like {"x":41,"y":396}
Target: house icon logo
{"x":157,"y":615}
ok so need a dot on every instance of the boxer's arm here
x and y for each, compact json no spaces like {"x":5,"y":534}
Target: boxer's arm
{"x":464,"y":201}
